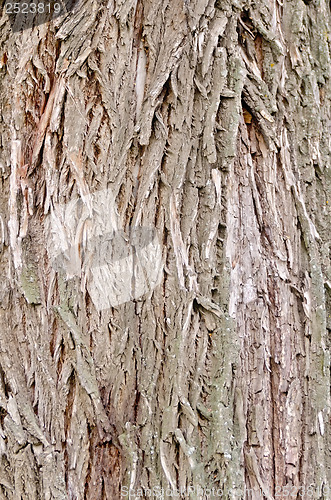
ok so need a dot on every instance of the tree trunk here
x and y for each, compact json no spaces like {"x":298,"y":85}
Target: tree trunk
{"x":165,"y":251}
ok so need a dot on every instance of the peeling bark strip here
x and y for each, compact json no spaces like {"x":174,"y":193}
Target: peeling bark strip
{"x":209,"y":121}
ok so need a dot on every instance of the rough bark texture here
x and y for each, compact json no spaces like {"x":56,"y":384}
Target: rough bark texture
{"x":209,"y":120}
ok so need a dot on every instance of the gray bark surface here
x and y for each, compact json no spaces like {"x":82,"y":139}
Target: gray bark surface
{"x":209,"y":121}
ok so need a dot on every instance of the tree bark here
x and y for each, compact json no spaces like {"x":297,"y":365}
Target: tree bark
{"x":208,"y":123}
